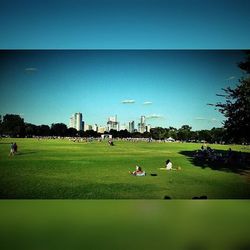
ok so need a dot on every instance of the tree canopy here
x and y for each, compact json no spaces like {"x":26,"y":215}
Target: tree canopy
{"x":236,"y":107}
{"x":13,"y":125}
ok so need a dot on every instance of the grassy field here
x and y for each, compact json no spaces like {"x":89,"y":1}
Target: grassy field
{"x":61,"y":169}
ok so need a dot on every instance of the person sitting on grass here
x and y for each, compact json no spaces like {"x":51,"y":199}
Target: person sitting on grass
{"x":138,"y":172}
{"x":169,"y":166}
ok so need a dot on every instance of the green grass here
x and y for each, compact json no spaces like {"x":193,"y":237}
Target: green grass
{"x":60,"y":169}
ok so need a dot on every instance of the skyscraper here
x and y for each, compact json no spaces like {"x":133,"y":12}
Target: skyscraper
{"x":143,"y":119}
{"x":101,"y":129}
{"x":72,"y":122}
{"x":142,"y":125}
{"x":113,"y":123}
{"x":95,"y":127}
{"x":148,"y":127}
{"x":76,"y":121}
{"x":131,"y":127}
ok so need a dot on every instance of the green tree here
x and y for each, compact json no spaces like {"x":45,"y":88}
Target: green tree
{"x":194,"y":135}
{"x":172,"y":132}
{"x":43,"y":130}
{"x":236,"y":107}
{"x":124,"y":133}
{"x":91,"y":133}
{"x":114,"y":133}
{"x":184,"y":133}
{"x":30,"y":129}
{"x":218,"y":135}
{"x":146,"y":135}
{"x":136,"y":135}
{"x":13,"y":125}
{"x":72,"y":132}
{"x":158,"y":133}
{"x":58,"y":129}
{"x":205,"y":135}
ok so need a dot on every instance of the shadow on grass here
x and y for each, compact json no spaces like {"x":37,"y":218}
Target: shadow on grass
{"x":238,"y":162}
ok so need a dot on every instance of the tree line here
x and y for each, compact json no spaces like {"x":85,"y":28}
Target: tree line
{"x":184,"y":133}
{"x":14,"y":126}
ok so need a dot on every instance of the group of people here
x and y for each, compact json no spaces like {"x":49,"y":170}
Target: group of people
{"x":207,"y":154}
{"x":139,"y":172}
{"x":13,"y":149}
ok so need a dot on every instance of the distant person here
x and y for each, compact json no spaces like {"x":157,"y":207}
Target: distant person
{"x":138,"y":172}
{"x":111,"y":143}
{"x":169,"y":166}
{"x":12,"y":149}
{"x":15,"y":148}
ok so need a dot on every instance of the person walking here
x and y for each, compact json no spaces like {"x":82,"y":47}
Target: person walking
{"x":11,"y":149}
{"x":15,"y":148}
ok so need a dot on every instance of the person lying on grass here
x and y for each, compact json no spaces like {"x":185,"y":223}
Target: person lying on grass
{"x":169,"y":166}
{"x":138,"y":172}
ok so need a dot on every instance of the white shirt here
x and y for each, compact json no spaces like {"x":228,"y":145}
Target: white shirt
{"x":169,"y":166}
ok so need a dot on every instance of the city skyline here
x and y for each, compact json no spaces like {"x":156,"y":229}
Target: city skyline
{"x":171,"y":88}
{"x":76,"y":121}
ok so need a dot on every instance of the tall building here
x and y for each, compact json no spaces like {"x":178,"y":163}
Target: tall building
{"x":131,"y":127}
{"x":148,"y":127}
{"x":101,"y":129}
{"x":142,"y":125}
{"x":88,"y":127}
{"x":95,"y":128}
{"x":143,"y":119}
{"x":76,"y":121}
{"x":72,"y":122}
{"x":113,"y":123}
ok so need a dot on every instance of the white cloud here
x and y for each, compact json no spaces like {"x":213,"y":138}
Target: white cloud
{"x":230,"y":78}
{"x":147,"y":103}
{"x":154,"y":116}
{"x":200,"y":118}
{"x":31,"y":69}
{"x":206,"y":119}
{"x":128,"y":101}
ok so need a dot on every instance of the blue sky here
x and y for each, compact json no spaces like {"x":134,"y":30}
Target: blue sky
{"x":47,"y":86}
{"x":120,"y":24}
